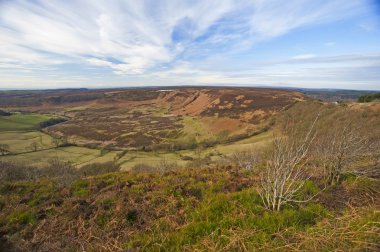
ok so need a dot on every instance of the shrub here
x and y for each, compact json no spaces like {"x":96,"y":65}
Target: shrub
{"x":99,"y":168}
{"x":144,"y":168}
{"x":132,"y":215}
{"x":62,"y":172}
{"x":12,"y":171}
{"x":4,"y":113}
{"x":102,"y":220}
{"x":51,"y":122}
{"x":369,"y":98}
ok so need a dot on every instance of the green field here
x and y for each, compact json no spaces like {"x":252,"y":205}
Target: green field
{"x":19,"y":131}
{"x":22,"y":122}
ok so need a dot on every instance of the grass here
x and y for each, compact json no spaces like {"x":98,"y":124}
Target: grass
{"x":22,"y":122}
{"x":23,"y":217}
{"x":19,"y":131}
{"x":77,"y":155}
{"x":188,"y":210}
{"x":194,"y":128}
{"x":20,"y":141}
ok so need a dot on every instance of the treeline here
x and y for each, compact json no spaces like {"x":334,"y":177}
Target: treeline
{"x":4,"y":113}
{"x":369,"y":98}
{"x":51,"y":122}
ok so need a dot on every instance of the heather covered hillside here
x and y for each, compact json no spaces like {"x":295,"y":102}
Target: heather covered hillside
{"x":309,"y":182}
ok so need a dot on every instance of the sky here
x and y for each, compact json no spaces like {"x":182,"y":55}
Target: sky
{"x":48,"y":44}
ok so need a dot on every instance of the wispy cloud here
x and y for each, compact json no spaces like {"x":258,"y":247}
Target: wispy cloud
{"x":329,"y":44}
{"x":152,"y":37}
{"x":139,"y":35}
{"x":304,"y":56}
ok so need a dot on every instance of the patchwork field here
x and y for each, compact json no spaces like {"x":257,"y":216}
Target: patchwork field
{"x":19,"y":143}
{"x":133,"y":127}
{"x":22,"y":122}
{"x":157,"y":119}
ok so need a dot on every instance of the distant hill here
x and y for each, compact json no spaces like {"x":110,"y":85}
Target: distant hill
{"x":156,"y":118}
{"x":336,"y":94}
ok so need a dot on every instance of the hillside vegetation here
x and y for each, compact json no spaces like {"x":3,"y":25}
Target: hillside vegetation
{"x":304,"y":176}
{"x":369,"y":98}
{"x":156,"y":119}
{"x":213,"y":209}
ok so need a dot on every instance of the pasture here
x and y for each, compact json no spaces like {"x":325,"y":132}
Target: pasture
{"x":25,"y":133}
{"x":22,"y":122}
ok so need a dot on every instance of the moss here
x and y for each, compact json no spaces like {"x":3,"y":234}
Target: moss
{"x":79,"y":188}
{"x":81,"y":192}
{"x":19,"y":188}
{"x":22,"y":217}
{"x":44,"y":195}
{"x":107,"y":203}
{"x":309,"y":188}
{"x":102,"y":220}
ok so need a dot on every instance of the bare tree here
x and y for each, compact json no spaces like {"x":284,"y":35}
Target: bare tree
{"x":198,"y":160}
{"x":285,"y":172}
{"x":12,"y":171}
{"x":246,"y":159}
{"x":337,"y":148}
{"x":62,"y":172}
{"x":34,"y":146}
{"x":56,"y":142}
{"x":64,"y":140}
{"x":165,"y":166}
{"x":4,"y":149}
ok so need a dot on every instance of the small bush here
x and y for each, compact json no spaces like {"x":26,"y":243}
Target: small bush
{"x":132,"y":215}
{"x":99,"y":168}
{"x":12,"y":171}
{"x":369,"y":98}
{"x":144,"y":168}
{"x":102,"y":220}
{"x":51,"y":122}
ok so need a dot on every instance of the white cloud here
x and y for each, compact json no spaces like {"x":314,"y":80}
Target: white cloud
{"x":155,"y":39}
{"x":329,"y":44}
{"x":138,"y":34}
{"x":304,"y":56}
{"x":273,"y":18}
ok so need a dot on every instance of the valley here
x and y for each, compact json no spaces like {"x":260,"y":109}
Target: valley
{"x":187,"y":168}
{"x":134,"y":127}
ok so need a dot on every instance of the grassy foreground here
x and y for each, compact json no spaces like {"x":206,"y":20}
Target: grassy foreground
{"x":214,"y":209}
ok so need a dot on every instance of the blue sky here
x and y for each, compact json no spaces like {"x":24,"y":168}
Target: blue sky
{"x":115,"y":43}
